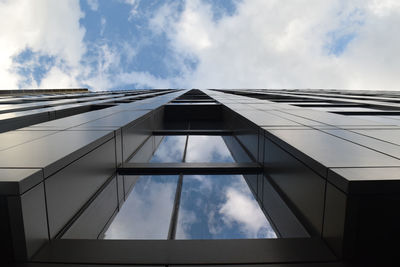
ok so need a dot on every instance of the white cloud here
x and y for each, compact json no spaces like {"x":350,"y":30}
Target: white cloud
{"x":240,"y":208}
{"x":147,"y":211}
{"x":274,"y":44}
{"x":265,"y":44}
{"x":93,"y":4}
{"x":45,"y":27}
{"x":207,"y":149}
{"x":134,"y":7}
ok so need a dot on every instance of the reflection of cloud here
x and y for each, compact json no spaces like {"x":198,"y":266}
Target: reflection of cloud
{"x":242,"y":209}
{"x":186,"y":219}
{"x":207,"y":149}
{"x":221,"y":206}
{"x":170,"y":150}
{"x":147,"y":212}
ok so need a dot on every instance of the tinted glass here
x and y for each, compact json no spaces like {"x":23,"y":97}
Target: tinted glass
{"x":146,"y":213}
{"x":207,"y":149}
{"x":220,"y":207}
{"x":170,"y":149}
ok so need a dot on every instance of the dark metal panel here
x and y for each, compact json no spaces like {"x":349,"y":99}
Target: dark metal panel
{"x":54,"y":151}
{"x":329,"y":118}
{"x":145,"y":152}
{"x":188,"y":168}
{"x":91,"y":222}
{"x":118,"y":147}
{"x":372,"y":143}
{"x":134,"y":136}
{"x":120,"y":188}
{"x":302,"y":188}
{"x":366,"y":180}
{"x":285,"y":222}
{"x":69,"y":189}
{"x":15,"y":138}
{"x":119,"y":119}
{"x":18,"y":181}
{"x":334,"y":219}
{"x":388,"y":135}
{"x":28,"y":222}
{"x":320,"y":150}
{"x":243,"y":251}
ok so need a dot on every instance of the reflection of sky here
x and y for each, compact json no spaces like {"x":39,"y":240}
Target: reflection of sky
{"x":170,"y":150}
{"x":146,"y":213}
{"x":207,"y":149}
{"x":220,"y":207}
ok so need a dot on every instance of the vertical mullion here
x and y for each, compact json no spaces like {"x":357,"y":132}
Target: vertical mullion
{"x":177,"y":200}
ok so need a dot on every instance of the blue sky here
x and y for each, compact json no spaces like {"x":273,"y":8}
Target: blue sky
{"x":128,"y":44}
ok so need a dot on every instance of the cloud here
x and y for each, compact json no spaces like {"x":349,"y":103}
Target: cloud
{"x":261,"y":44}
{"x":44,"y":27}
{"x":304,"y":44}
{"x":134,"y":7}
{"x":240,"y":208}
{"x":207,"y":149}
{"x":93,"y":4}
{"x":147,"y":212}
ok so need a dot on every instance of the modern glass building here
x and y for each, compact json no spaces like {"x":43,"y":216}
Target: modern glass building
{"x":199,"y":177}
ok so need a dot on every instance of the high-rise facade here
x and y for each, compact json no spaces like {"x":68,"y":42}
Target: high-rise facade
{"x":199,"y":177}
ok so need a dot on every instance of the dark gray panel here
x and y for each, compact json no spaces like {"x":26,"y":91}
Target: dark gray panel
{"x":54,"y":151}
{"x":320,"y":150}
{"x":381,"y":146}
{"x":186,"y":251}
{"x":388,"y":135}
{"x":334,"y":219}
{"x":281,"y":216}
{"x":134,"y":136}
{"x":119,"y":119}
{"x":129,"y":182}
{"x":300,"y":120}
{"x":14,"y":138}
{"x":91,"y":222}
{"x":366,"y":180}
{"x":252,"y":182}
{"x":264,"y":118}
{"x":308,"y":264}
{"x":28,"y":222}
{"x":145,"y":152}
{"x":69,"y":189}
{"x":120,"y":187}
{"x":17,"y":181}
{"x":330,"y":118}
{"x":118,"y":147}
{"x":302,"y":187}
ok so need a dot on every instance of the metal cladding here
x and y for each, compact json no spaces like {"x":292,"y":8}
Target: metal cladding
{"x":323,"y":165}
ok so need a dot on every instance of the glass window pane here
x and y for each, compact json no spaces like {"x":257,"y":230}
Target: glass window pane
{"x":170,"y":150}
{"x":146,"y":213}
{"x":207,"y":149}
{"x":220,"y":207}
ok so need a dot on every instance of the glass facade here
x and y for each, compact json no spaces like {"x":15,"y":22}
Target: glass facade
{"x":191,"y":206}
{"x":146,"y":213}
{"x":220,"y":207}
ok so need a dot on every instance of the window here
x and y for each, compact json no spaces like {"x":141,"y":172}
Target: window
{"x":190,"y":206}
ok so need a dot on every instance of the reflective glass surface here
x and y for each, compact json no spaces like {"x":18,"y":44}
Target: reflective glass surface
{"x":170,"y":149}
{"x":207,"y":149}
{"x":220,"y":207}
{"x":146,"y":213}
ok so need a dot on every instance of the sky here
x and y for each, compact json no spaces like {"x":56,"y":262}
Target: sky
{"x":131,"y":44}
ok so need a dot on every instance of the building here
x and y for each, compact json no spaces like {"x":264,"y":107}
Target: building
{"x":77,"y":168}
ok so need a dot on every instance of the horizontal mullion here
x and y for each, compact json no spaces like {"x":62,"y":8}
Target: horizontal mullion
{"x":188,"y":168}
{"x":192,"y":132}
